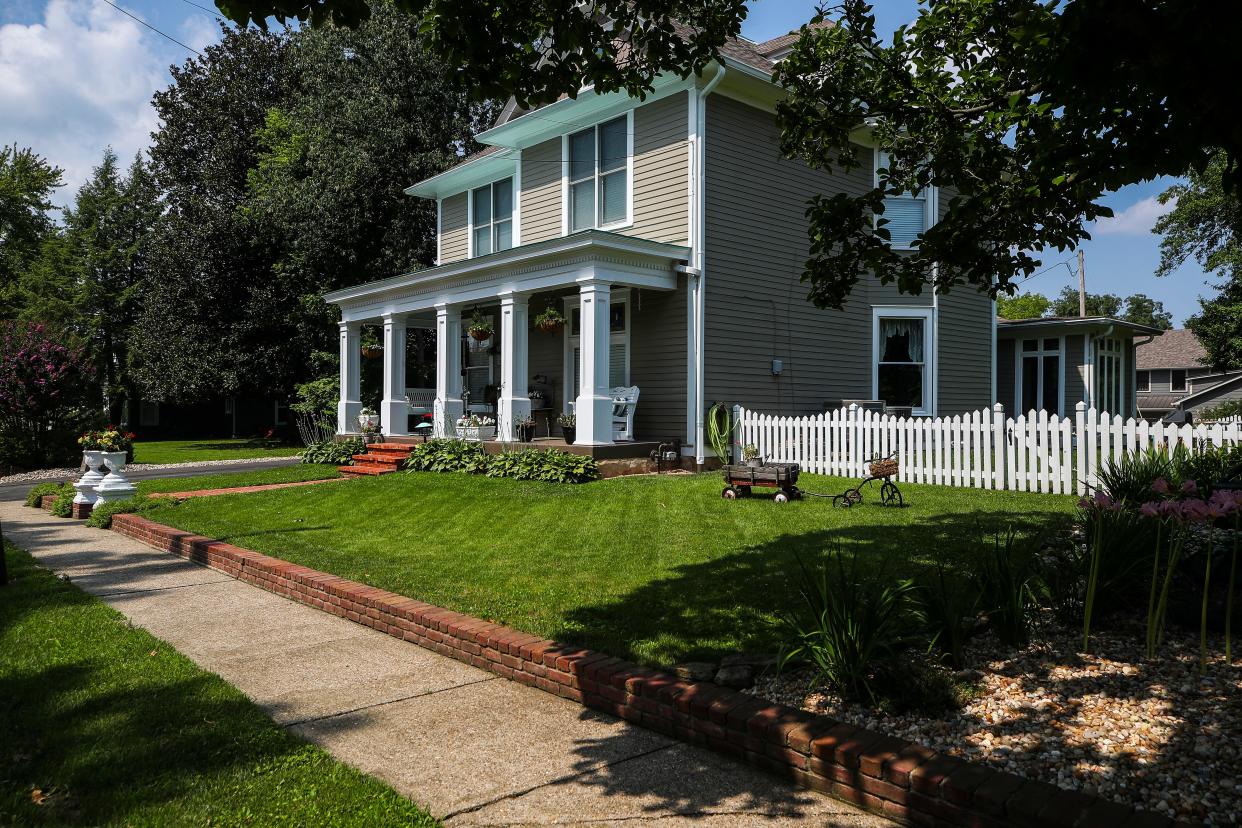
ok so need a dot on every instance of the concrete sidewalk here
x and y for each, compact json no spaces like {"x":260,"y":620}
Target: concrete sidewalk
{"x":474,"y":748}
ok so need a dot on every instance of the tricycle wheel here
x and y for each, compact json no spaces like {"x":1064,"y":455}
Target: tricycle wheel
{"x":854,"y":496}
{"x":890,"y":495}
{"x":780,"y":497}
{"x":729,"y":493}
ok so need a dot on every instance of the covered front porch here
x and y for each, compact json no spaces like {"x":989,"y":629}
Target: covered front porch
{"x":597,"y":281}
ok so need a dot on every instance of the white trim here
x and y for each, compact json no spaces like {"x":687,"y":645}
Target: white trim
{"x":470,"y":223}
{"x":930,"y":350}
{"x":517,"y":203}
{"x":470,"y":227}
{"x":565,"y":184}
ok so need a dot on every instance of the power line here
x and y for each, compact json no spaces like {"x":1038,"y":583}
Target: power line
{"x":152,"y":28}
{"x":1047,"y":269}
{"x":213,"y":12}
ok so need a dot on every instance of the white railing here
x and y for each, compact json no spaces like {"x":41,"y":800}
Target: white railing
{"x":1035,"y":452}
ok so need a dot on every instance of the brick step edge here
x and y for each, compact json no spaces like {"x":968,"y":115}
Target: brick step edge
{"x":900,"y":780}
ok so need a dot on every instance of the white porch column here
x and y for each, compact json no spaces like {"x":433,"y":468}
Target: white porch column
{"x":514,"y":355}
{"x":593,"y":406}
{"x":350,"y":404}
{"x":394,"y":410}
{"x":448,"y":370}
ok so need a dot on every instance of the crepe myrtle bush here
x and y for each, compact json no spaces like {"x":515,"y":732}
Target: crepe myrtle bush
{"x":43,"y":384}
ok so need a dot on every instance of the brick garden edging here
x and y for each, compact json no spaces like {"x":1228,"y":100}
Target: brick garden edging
{"x":898,"y":779}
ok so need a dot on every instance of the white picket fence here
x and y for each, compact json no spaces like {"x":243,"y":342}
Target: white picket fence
{"x":1035,"y":452}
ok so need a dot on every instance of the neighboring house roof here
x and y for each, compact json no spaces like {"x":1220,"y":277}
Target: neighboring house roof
{"x":1199,"y":397}
{"x":1178,"y":348}
{"x":782,"y":43}
{"x":1072,"y":321}
{"x":1158,"y":402}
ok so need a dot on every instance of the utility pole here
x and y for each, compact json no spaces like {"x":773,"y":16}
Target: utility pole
{"x":1082,"y":287}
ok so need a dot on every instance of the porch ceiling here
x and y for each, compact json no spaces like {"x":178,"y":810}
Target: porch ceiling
{"x":591,"y":255}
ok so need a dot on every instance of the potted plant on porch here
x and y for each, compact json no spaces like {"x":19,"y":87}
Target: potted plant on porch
{"x":549,"y":321}
{"x":476,"y":427}
{"x":569,"y":427}
{"x":480,"y":327}
{"x":368,"y":422}
{"x":524,"y":429}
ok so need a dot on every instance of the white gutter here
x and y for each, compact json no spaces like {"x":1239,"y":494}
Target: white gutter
{"x":697,"y":245}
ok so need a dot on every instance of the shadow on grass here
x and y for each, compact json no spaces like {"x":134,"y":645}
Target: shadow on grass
{"x":729,"y":604}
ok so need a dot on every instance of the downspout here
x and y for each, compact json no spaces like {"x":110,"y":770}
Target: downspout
{"x":698,"y":243}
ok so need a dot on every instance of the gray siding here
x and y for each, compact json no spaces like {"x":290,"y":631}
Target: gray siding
{"x":661,"y":189}
{"x":661,"y":169}
{"x":755,"y":251}
{"x":454,"y":229}
{"x":541,"y":191}
{"x":658,"y":359}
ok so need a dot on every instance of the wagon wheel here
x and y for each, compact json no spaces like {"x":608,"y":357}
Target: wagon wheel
{"x":854,"y":496}
{"x":729,"y":493}
{"x":780,"y":497}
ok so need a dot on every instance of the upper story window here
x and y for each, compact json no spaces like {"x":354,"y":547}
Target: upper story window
{"x":1177,"y":380}
{"x":491,"y":217}
{"x":598,"y":176}
{"x":907,"y":215}
{"x":1142,"y":380}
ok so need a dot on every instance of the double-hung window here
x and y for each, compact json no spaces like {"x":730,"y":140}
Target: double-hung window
{"x":906,"y":215}
{"x":1142,"y":380}
{"x":1177,"y":380}
{"x":598,"y":175}
{"x":903,"y":359}
{"x":491,"y":217}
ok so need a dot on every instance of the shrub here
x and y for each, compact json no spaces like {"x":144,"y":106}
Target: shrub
{"x":1007,"y":583}
{"x":467,"y":456}
{"x":334,"y":452}
{"x":101,"y":515}
{"x":848,"y":626}
{"x":41,"y":490}
{"x":1233,"y":408}
{"x":951,"y":607}
{"x":43,"y":397}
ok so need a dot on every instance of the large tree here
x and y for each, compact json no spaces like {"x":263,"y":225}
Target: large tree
{"x":27,"y":182}
{"x":538,"y":50}
{"x":1205,"y":224}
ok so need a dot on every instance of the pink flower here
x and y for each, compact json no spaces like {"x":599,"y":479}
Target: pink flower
{"x":1160,"y":486}
{"x":1151,"y":509}
{"x":1195,"y":511}
{"x":1189,"y":487}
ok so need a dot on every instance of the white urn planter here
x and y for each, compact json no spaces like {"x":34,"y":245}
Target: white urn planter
{"x":368,"y":421}
{"x":476,"y":432}
{"x":86,"y":485}
{"x":115,"y":485}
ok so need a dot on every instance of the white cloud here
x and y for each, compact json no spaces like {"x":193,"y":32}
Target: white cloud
{"x":77,"y":82}
{"x":198,"y":32}
{"x":1136,"y":220}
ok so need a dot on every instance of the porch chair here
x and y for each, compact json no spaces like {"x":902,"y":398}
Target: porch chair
{"x":624,"y":401}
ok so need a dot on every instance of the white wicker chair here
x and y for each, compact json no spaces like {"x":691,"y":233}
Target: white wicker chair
{"x":624,"y":401}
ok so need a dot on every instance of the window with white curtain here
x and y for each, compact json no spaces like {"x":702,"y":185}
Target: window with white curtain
{"x":491,"y":217}
{"x":902,"y":360}
{"x":906,"y":215}
{"x":598,"y":170}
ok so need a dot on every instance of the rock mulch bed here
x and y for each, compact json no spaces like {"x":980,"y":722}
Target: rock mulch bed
{"x":1155,"y":734}
{"x":73,"y":474}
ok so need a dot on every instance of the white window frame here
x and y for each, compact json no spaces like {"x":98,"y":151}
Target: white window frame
{"x":1142,"y":381}
{"x":930,"y":350}
{"x":1185,"y":381}
{"x":513,"y":217}
{"x":629,"y":174}
{"x":1101,"y":394}
{"x":1040,"y":352}
{"x":618,"y":296}
{"x":930,"y":198}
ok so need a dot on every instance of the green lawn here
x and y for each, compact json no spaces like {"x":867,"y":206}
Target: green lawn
{"x":656,"y":568}
{"x":226,"y":480}
{"x":195,"y":451}
{"x":103,"y":724}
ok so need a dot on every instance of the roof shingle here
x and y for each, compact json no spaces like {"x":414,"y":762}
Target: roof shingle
{"x":1178,"y":348}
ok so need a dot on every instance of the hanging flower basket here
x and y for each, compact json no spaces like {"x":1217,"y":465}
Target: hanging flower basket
{"x":550,"y":321}
{"x":372,"y":351}
{"x":480,"y":327}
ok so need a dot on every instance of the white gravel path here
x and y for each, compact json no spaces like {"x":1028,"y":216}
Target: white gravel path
{"x":73,"y":473}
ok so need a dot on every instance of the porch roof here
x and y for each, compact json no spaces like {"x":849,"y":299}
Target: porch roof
{"x":589,"y":255}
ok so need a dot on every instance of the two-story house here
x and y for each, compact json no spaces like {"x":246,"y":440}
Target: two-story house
{"x":1172,"y":375}
{"x":672,"y":235}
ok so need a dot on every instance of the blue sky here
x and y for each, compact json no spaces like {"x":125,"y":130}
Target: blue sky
{"x":76,"y":75}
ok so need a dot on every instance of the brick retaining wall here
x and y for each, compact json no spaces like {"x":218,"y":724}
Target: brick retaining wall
{"x":898,"y":779}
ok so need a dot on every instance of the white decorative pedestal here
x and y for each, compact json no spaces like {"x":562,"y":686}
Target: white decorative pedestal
{"x":115,"y":486}
{"x":85,"y":499}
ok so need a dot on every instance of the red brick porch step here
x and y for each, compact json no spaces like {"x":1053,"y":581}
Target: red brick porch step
{"x":380,"y":458}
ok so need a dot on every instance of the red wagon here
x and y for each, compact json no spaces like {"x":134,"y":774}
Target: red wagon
{"x":741,"y":480}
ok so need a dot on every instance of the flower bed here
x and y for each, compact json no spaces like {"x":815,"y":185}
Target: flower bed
{"x":1152,"y":734}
